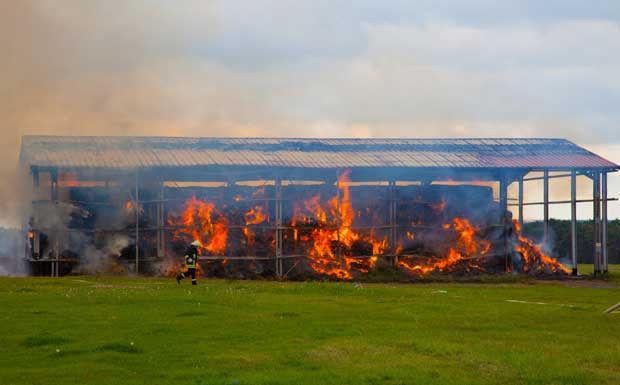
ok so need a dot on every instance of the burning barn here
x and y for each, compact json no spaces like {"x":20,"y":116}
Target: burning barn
{"x":299,"y":208}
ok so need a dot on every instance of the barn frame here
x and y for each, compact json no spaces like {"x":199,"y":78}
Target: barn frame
{"x":143,"y":166}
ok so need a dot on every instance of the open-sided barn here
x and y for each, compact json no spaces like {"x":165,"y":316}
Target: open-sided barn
{"x":288,"y":206}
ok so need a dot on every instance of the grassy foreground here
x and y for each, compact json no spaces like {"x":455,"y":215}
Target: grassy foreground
{"x":149,"y":331}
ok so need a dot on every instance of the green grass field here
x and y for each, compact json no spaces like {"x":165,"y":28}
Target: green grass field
{"x":78,"y":330}
{"x":614,"y":271}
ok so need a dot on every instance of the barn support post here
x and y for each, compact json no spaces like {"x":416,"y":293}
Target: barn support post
{"x":596,"y":184}
{"x":36,"y":184}
{"x":339,"y":219}
{"x":36,"y":246}
{"x":546,"y":209}
{"x":137,"y":210}
{"x":521,"y":201}
{"x":392,"y":237}
{"x":161,"y":250}
{"x":54,"y":185}
{"x":573,"y":219}
{"x":604,"y":222}
{"x":278,"y":209}
{"x":503,"y":205}
{"x":54,"y":199}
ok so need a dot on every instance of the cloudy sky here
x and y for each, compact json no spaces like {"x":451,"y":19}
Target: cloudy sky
{"x":313,"y":68}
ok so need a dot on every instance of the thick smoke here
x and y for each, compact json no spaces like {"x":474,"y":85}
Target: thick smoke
{"x":103,"y":259}
{"x":11,"y":248}
{"x":300,"y":69}
{"x":88,"y":68}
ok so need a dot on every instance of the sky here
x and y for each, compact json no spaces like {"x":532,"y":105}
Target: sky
{"x":317,"y":68}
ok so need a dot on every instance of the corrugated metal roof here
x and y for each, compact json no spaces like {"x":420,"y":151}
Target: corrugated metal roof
{"x":148,"y":152}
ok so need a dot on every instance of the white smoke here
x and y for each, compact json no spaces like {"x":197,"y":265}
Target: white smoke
{"x":11,"y":255}
{"x":98,"y":260}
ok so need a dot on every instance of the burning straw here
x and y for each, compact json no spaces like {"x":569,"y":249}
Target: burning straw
{"x":322,"y":233}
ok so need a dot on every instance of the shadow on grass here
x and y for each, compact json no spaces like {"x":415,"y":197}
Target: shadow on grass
{"x":287,"y":314}
{"x":190,"y":314}
{"x":42,"y":312}
{"x":118,"y":347}
{"x":59,"y":353}
{"x":43,"y":340}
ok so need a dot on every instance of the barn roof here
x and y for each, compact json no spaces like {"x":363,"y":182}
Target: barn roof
{"x":153,"y":152}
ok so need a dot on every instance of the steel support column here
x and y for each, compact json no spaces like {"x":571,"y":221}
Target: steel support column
{"x":339,"y":217}
{"x":521,"y":201}
{"x":392,"y":200}
{"x":546,"y":208}
{"x":54,"y":185}
{"x":503,"y":204}
{"x":36,"y":245}
{"x":596,"y":184}
{"x":573,"y":219}
{"x":137,"y":211}
{"x":503,"y":194}
{"x":161,"y":249}
{"x":54,"y":199}
{"x":36,"y":182}
{"x":278,"y":210}
{"x":604,"y":222}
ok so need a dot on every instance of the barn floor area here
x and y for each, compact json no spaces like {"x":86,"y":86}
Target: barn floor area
{"x":101,"y":330}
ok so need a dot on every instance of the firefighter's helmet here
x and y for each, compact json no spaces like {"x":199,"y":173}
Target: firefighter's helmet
{"x":196,"y":243}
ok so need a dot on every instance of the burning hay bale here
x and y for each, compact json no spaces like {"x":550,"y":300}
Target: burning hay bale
{"x":329,"y":230}
{"x":533,"y":261}
{"x":335,"y":232}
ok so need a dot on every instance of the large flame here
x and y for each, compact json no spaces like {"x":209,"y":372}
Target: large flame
{"x":333,"y":235}
{"x":467,"y":251}
{"x":323,"y":227}
{"x":200,"y":221}
{"x":254,"y":216}
{"x":534,"y":260}
{"x":203,"y":222}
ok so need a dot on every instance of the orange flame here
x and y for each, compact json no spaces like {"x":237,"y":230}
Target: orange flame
{"x":253,"y":217}
{"x":325,"y":225}
{"x":535,"y":261}
{"x":197,"y":220}
{"x":330,"y":236}
{"x":468,"y":248}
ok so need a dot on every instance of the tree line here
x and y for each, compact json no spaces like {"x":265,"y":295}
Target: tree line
{"x":560,"y":238}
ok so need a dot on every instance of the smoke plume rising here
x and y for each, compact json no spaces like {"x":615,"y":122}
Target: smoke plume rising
{"x":299,"y":68}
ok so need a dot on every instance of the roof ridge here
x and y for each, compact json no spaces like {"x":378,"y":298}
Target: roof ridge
{"x":35,"y":136}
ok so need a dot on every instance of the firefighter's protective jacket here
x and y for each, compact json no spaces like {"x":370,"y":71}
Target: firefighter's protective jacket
{"x":191,"y":257}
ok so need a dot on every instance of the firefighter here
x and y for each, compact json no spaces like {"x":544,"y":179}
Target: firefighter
{"x":191,"y":260}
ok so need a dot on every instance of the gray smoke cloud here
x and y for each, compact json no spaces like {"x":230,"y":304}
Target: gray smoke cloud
{"x":11,"y":245}
{"x":306,"y":68}
{"x":103,"y":259}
